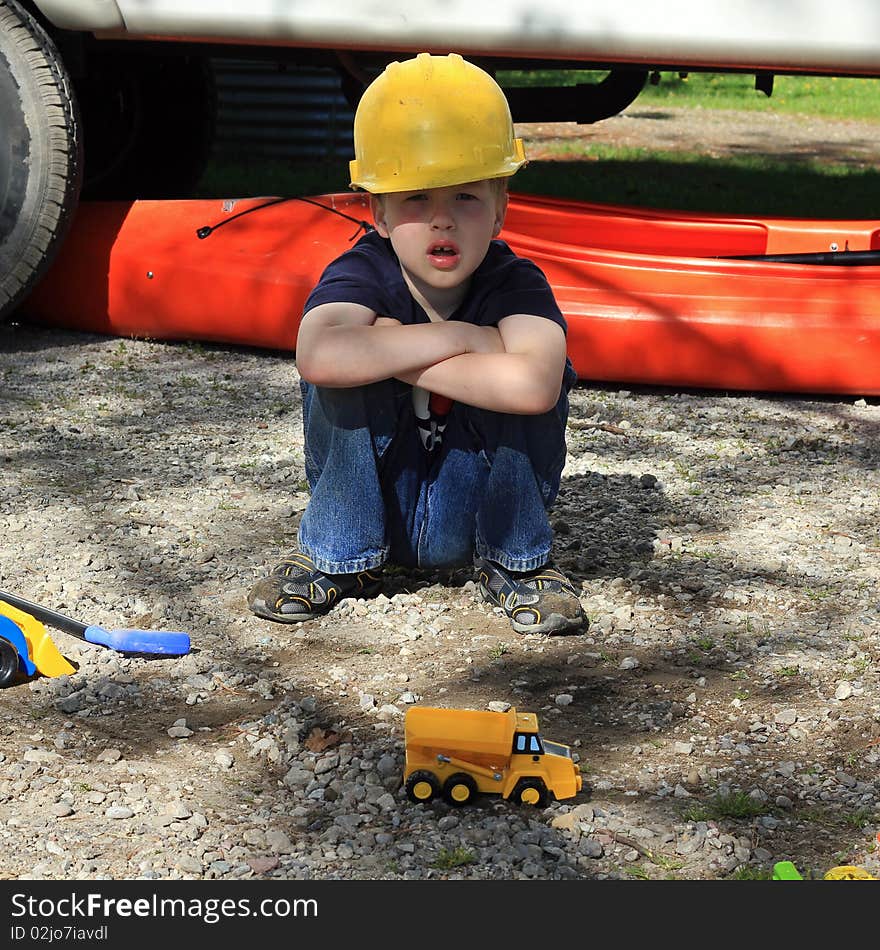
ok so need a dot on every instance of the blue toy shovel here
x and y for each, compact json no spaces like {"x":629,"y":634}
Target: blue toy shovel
{"x":165,"y":642}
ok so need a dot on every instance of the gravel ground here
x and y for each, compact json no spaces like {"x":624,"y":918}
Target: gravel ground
{"x":724,"y":705}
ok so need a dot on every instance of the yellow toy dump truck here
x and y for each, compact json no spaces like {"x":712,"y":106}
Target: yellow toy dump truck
{"x":459,"y":752}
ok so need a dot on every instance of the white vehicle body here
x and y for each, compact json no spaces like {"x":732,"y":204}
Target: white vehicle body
{"x":112,"y":98}
{"x":811,"y":35}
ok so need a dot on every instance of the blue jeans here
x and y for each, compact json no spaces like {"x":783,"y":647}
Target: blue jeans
{"x":377,"y":495}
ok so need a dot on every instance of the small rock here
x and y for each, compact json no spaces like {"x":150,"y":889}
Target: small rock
{"x":180,"y":730}
{"x":844,"y":690}
{"x":109,"y":755}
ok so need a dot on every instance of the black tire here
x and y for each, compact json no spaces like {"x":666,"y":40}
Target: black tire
{"x":8,"y":662}
{"x":40,"y":153}
{"x":422,"y":786}
{"x":148,"y":122}
{"x":459,"y":789}
{"x":530,"y":791}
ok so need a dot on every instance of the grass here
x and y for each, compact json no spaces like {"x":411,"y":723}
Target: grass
{"x":747,"y":873}
{"x":736,"y":805}
{"x":754,"y":184}
{"x":449,"y":859}
{"x":828,"y":96}
{"x":785,"y":671}
{"x":860,"y":818}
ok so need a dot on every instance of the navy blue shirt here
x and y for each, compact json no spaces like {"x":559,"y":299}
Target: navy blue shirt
{"x":369,"y":274}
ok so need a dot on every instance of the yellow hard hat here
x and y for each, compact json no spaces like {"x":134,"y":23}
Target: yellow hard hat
{"x":430,"y":122}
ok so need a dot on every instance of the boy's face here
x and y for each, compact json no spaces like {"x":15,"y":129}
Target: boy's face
{"x":441,"y":235}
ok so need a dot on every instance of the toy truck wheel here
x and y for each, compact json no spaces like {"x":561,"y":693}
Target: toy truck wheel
{"x":459,"y":789}
{"x":422,"y":786}
{"x":530,"y":791}
{"x":8,"y":662}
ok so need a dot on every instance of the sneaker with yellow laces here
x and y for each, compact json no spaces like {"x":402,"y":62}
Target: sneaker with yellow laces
{"x":297,"y":591}
{"x":539,"y":601}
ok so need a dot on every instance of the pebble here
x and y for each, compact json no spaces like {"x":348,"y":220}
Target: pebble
{"x":732,"y":651}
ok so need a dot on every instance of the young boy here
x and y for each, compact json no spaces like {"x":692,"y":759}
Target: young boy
{"x":434,"y":371}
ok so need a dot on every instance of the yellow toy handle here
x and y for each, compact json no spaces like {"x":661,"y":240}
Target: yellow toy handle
{"x":42,"y":650}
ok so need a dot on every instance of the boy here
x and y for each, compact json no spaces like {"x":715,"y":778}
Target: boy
{"x":434,"y":371}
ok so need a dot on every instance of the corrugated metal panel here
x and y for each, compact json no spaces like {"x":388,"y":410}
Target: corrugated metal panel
{"x":280,"y":111}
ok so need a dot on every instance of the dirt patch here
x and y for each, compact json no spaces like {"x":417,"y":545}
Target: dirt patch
{"x":717,"y":133}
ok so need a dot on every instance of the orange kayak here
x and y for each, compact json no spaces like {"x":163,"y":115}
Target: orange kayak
{"x":651,"y":297}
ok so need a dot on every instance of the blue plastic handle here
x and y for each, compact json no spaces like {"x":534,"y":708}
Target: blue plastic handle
{"x":167,"y":642}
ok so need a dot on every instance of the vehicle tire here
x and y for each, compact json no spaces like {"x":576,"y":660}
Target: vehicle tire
{"x":40,"y":153}
{"x":148,"y":123}
{"x":8,"y":662}
{"x":459,"y":789}
{"x":422,"y":786}
{"x":530,"y":791}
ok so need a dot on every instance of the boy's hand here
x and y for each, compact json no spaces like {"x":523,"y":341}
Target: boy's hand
{"x":519,"y":372}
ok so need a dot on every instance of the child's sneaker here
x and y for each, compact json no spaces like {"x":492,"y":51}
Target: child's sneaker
{"x":297,"y":591}
{"x":539,"y":601}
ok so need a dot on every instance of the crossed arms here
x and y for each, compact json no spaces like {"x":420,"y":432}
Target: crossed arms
{"x":516,"y":367}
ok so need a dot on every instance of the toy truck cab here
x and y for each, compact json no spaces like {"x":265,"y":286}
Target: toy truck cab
{"x":458,"y":753}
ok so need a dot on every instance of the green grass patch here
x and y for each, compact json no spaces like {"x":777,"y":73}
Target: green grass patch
{"x":827,"y":96}
{"x":746,"y":873}
{"x":448,"y":859}
{"x":736,"y":805}
{"x":860,"y":818}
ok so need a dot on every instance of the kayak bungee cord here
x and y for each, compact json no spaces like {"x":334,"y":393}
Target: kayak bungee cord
{"x":838,"y":258}
{"x":208,"y":229}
